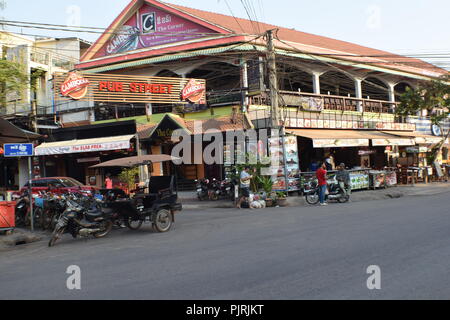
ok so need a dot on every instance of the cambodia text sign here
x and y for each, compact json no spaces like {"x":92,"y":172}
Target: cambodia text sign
{"x":149,"y":27}
{"x":128,"y":89}
{"x":18,"y":150}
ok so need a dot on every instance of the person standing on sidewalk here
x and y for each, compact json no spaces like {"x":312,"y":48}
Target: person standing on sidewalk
{"x":321,"y":175}
{"x":108,"y":182}
{"x":245,"y":179}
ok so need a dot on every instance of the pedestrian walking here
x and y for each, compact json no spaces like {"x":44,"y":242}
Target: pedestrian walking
{"x":321,"y":175}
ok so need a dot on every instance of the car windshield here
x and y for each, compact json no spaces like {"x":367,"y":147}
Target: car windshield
{"x":68,"y":182}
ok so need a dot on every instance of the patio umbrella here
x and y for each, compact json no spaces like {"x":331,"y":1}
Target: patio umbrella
{"x":9,"y":133}
{"x":136,"y":161}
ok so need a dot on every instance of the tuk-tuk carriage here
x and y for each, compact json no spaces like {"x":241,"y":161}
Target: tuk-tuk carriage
{"x":156,"y":203}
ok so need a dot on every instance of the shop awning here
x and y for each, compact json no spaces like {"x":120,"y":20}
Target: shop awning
{"x":418,"y":137}
{"x":349,"y":138}
{"x":9,"y":133}
{"x":86,"y":145}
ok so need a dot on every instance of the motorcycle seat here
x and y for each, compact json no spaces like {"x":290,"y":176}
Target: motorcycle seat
{"x":94,"y":213}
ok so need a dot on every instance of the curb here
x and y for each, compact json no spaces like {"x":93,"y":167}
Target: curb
{"x":294,"y":201}
{"x":19,"y":237}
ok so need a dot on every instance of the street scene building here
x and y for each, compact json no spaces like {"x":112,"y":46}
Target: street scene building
{"x":338,"y":99}
{"x":173,"y":109}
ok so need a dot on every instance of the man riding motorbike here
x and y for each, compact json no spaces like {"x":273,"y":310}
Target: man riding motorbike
{"x":343,"y":177}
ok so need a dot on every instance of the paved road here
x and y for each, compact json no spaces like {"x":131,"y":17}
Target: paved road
{"x":290,"y":253}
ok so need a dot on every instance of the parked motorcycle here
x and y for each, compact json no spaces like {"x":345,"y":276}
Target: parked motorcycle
{"x":222,"y":190}
{"x":23,"y":212}
{"x":80,"y":221}
{"x":335,"y":192}
{"x":203,"y":189}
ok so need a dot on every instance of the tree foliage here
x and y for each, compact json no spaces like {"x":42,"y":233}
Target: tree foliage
{"x":13,"y":80}
{"x":433,"y":96}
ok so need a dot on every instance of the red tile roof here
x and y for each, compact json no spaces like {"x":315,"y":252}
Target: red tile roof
{"x":309,"y":42}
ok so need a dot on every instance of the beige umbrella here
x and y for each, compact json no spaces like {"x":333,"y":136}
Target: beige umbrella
{"x":137,"y":161}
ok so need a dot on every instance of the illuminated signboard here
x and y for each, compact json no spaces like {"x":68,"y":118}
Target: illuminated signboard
{"x":128,"y":89}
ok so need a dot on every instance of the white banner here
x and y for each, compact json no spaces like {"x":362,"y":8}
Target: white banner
{"x":340,"y":143}
{"x":83,"y":146}
{"x":393,"y":142}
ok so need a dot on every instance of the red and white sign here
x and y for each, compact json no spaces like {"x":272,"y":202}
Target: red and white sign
{"x":82,"y":146}
{"x":75,"y":86}
{"x":194,"y":91}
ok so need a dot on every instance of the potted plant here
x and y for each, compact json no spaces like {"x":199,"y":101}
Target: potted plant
{"x":281,"y":199}
{"x":267,"y":184}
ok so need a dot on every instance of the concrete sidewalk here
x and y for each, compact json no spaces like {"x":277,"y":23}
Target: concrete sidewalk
{"x":190,"y":201}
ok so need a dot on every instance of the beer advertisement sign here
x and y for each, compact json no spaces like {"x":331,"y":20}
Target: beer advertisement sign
{"x":150,"y":27}
{"x":129,"y":89}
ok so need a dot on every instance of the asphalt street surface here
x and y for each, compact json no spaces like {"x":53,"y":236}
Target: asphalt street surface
{"x":278,"y":253}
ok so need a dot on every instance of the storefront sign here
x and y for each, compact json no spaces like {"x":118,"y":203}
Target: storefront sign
{"x":311,"y":104}
{"x":392,"y":142}
{"x":129,"y":89}
{"x":366,"y":152}
{"x":82,"y":146}
{"x":149,"y":27}
{"x":194,"y":91}
{"x":339,"y":143}
{"x":416,"y":150}
{"x":75,"y":86}
{"x":87,"y":160}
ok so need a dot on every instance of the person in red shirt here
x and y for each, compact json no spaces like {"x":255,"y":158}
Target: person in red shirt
{"x":108,"y":182}
{"x":321,"y":175}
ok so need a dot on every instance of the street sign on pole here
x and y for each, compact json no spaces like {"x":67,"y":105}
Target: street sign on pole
{"x":16,"y":150}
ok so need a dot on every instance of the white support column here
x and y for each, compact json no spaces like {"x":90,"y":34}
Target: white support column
{"x":358,"y":93}
{"x":316,"y":82}
{"x":391,"y":88}
{"x":244,"y":83}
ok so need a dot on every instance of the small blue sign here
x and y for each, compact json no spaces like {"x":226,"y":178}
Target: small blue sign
{"x":18,"y":150}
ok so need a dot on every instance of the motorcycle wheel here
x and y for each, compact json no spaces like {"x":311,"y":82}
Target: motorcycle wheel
{"x":162,"y":221}
{"x":38,"y":216}
{"x":343,"y":198}
{"x":214,"y":196}
{"x":312,"y":198}
{"x":46,"y":219}
{"x":108,"y":224}
{"x":55,"y":236}
{"x":20,"y":218}
{"x":133,"y":224}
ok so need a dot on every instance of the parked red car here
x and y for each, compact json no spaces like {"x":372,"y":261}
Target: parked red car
{"x":58,"y":185}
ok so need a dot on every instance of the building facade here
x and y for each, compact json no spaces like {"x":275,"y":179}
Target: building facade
{"x":337,"y":98}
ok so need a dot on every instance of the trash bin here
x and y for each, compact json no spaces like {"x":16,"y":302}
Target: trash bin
{"x":7,"y":215}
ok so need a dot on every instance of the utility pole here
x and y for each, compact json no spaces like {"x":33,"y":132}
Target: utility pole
{"x":273,"y":81}
{"x":274,"y":101}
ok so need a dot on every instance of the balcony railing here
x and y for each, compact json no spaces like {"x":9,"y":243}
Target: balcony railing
{"x":223,"y":98}
{"x":327,"y":102}
{"x":261,"y":118}
{"x":50,"y":59}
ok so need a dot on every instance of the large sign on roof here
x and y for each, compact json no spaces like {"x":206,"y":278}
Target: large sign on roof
{"x":115,"y":88}
{"x":150,"y":27}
